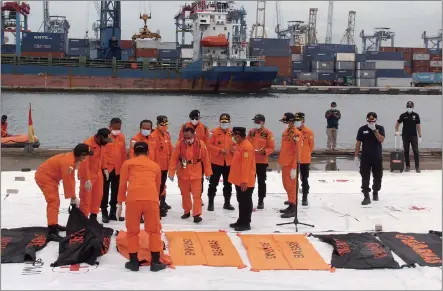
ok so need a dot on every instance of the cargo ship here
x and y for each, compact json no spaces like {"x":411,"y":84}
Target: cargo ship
{"x":217,"y":61}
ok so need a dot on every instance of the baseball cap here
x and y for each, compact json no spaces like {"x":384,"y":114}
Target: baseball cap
{"x":371,"y":116}
{"x":239,"y":130}
{"x":225,"y":118}
{"x":162,"y":120}
{"x":104,"y":133}
{"x":288,"y":117}
{"x":194,"y":114}
{"x":259,"y":117}
{"x":140,"y":147}
{"x":333,"y":104}
{"x":82,"y":149}
{"x":410,"y":104}
{"x":299,"y":116}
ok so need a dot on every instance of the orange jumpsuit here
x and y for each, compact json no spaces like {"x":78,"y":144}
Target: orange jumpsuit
{"x":5,"y":129}
{"x":262,"y":139}
{"x":289,"y":154}
{"x":48,"y":176}
{"x":243,"y":165}
{"x":91,"y":169}
{"x":307,"y":144}
{"x":189,"y":178}
{"x":201,"y":131}
{"x":114,"y":153}
{"x":160,"y":150}
{"x":140,"y":177}
{"x":136,"y":138}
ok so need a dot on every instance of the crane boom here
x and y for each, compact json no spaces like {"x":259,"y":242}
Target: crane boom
{"x":329,"y":26}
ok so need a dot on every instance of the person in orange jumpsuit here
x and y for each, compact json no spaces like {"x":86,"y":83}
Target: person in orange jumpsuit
{"x":91,"y":176}
{"x":242,"y":175}
{"x":48,"y":176}
{"x":221,"y":148}
{"x":4,"y":126}
{"x":142,"y":135}
{"x":307,"y":147}
{"x":262,"y":139}
{"x":190,"y":155}
{"x":201,"y":131}
{"x":115,"y":154}
{"x":141,"y":178}
{"x":161,"y":150}
{"x":288,"y":160}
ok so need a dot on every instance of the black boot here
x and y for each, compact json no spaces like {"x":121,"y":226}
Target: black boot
{"x":163,"y":202}
{"x":53,"y":234}
{"x":211,"y":204}
{"x":242,"y":228}
{"x":186,"y":215}
{"x":61,"y":228}
{"x":290,"y":212}
{"x":228,"y":205}
{"x":105,"y":217}
{"x":375,"y":196}
{"x":285,"y":210}
{"x":93,"y":217}
{"x":163,"y":211}
{"x":156,"y":265}
{"x":197,"y":219}
{"x":304,"y":200}
{"x":133,"y":263}
{"x":112,"y":214}
{"x":407,"y":169}
{"x":142,"y":220}
{"x":260,"y":204}
{"x":286,"y":202}
{"x":418,"y":170}
{"x":366,"y":200}
{"x":234,"y":225}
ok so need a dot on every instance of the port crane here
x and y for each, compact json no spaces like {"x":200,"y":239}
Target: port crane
{"x":110,"y":29}
{"x":380,"y":35}
{"x":348,"y":36}
{"x":329,"y":24}
{"x":312,"y":26}
{"x":435,"y":40}
{"x":258,"y":29}
{"x":296,"y":31}
{"x":145,"y":32}
{"x":13,"y":22}
{"x":54,"y":23}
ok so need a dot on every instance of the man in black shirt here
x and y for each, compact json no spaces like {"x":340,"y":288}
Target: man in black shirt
{"x":371,"y":136}
{"x":411,"y":126}
{"x":332,"y":116}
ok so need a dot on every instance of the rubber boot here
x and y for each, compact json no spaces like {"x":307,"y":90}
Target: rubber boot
{"x":197,"y":219}
{"x":105,"y":217}
{"x":61,"y":228}
{"x":304,"y":200}
{"x":211,"y":204}
{"x":53,"y":234}
{"x":260,"y":204}
{"x":163,"y":202}
{"x":290,"y":212}
{"x":228,"y":205}
{"x":366,"y":200}
{"x":156,"y":265}
{"x":375,"y":196}
{"x":112,"y":214}
{"x":133,"y":263}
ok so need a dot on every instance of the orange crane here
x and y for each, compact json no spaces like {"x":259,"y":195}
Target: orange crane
{"x":145,"y":32}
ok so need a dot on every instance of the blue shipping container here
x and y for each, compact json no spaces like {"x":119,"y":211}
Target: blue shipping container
{"x":426,"y":78}
{"x":78,"y":43}
{"x":297,"y":71}
{"x":323,"y":57}
{"x":270,"y":47}
{"x":327,"y":76}
{"x":384,"y":56}
{"x":300,"y":65}
{"x":391,"y":74}
{"x":270,"y":52}
{"x":75,"y":52}
{"x":435,"y":51}
{"x":360,"y":58}
{"x":329,"y":48}
{"x":167,"y":54}
{"x":43,"y":42}
{"x":345,"y":73}
{"x":8,"y":49}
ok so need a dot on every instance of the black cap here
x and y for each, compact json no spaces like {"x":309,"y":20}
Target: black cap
{"x":371,"y":116}
{"x":299,"y":116}
{"x":239,"y":130}
{"x":410,"y":104}
{"x":104,"y":134}
{"x":82,"y":149}
{"x":4,"y":117}
{"x":333,"y":104}
{"x":259,"y":117}
{"x":194,"y":114}
{"x":141,"y":147}
{"x":288,"y":117}
{"x":225,"y":118}
{"x":162,"y":120}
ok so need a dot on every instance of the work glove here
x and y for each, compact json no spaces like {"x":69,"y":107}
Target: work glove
{"x":171,"y":178}
{"x":293,"y":174}
{"x":88,"y":186}
{"x":106,"y":172}
{"x":398,"y":133}
{"x":119,"y":210}
{"x":75,"y":202}
{"x":371,"y":126}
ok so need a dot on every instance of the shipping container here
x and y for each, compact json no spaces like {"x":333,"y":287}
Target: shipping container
{"x":384,"y":56}
{"x":126,"y":44}
{"x":389,"y":65}
{"x":8,"y":49}
{"x":392,"y":74}
{"x":435,"y":51}
{"x":78,"y":43}
{"x":394,"y":82}
{"x":421,"y":69}
{"x":365,"y":82}
{"x":360,"y":58}
{"x":146,"y":53}
{"x":126,"y":53}
{"x":327,"y":76}
{"x":419,"y":50}
{"x":388,"y":49}
{"x":55,"y":55}
{"x":404,"y":50}
{"x":186,"y":53}
{"x":284,"y":65}
{"x":301,"y":65}
{"x":366,"y":66}
{"x":317,"y":65}
{"x":329,"y":48}
{"x":307,"y":76}
{"x":365,"y":74}
{"x":421,"y":63}
{"x":407,"y":57}
{"x":345,"y":66}
{"x":324,"y":57}
{"x":296,"y":49}
{"x":421,"y":57}
{"x":147,"y":44}
{"x":426,"y":78}
{"x":318,"y":71}
{"x":93,"y":53}
{"x":345,"y":73}
{"x":168,"y":53}
{"x":150,"y":60}
{"x":272,"y":47}
{"x":296,"y":58}
{"x":407,"y":64}
{"x":345,"y":57}
{"x":435,"y":69}
{"x":436,"y":58}
{"x":296,"y":71}
{"x":168,"y":46}
{"x":76,"y":52}
{"x":43,"y":42}
{"x":132,"y":59}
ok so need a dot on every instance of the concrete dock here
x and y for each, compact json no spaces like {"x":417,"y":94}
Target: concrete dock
{"x":356,"y":90}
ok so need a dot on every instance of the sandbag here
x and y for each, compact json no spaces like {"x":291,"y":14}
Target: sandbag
{"x":21,"y":244}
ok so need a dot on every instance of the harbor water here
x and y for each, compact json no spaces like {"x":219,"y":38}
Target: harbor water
{"x":63,"y":120}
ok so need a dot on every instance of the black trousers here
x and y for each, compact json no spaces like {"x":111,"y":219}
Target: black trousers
{"x":217,"y":172}
{"x":163,"y":183}
{"x":113,"y":183}
{"x":260,"y":170}
{"x":367,"y":166}
{"x":244,"y":199}
{"x":413,"y":141}
{"x":304,"y":175}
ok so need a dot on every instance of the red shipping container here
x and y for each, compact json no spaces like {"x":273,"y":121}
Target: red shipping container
{"x":126,"y":44}
{"x":420,"y":50}
{"x":404,"y":50}
{"x":131,"y":59}
{"x":296,"y":49}
{"x":146,"y":53}
{"x":420,"y":63}
{"x":421,"y":69}
{"x":436,"y":58}
{"x":55,"y":55}
{"x":388,"y":49}
{"x":407,"y":57}
{"x":435,"y":69}
{"x":284,"y":65}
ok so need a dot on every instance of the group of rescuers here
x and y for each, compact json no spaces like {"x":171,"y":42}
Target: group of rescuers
{"x":239,"y":156}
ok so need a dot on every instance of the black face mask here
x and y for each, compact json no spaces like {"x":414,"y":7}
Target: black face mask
{"x":3,"y":121}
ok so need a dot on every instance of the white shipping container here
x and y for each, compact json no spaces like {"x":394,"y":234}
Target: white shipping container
{"x":365,"y":82}
{"x":436,"y":63}
{"x":296,"y":58}
{"x":394,"y":82}
{"x":186,"y":53}
{"x":421,"y":57}
{"x":389,"y":65}
{"x":345,"y":57}
{"x":147,"y":43}
{"x":167,"y":46}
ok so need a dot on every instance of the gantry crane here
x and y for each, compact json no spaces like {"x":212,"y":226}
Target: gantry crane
{"x":435,"y":40}
{"x":312,"y":26}
{"x":13,"y":22}
{"x":258,"y":29}
{"x":329,"y":24}
{"x":348,"y":36}
{"x":54,"y":23}
{"x":380,"y":35}
{"x":296,"y":31}
{"x":110,"y":28}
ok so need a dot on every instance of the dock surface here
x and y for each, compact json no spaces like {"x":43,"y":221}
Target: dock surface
{"x":356,"y":90}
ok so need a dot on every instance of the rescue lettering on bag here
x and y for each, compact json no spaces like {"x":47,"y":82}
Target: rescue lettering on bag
{"x":268,"y":250}
{"x":377,"y":250}
{"x":5,"y":242}
{"x":38,"y":241}
{"x":77,"y":237}
{"x":342,"y":247}
{"x":295,"y":249}
{"x":421,"y":248}
{"x":105,"y":245}
{"x":188,"y":247}
{"x":215,"y":248}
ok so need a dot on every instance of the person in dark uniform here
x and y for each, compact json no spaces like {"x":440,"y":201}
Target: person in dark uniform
{"x":411,"y":128}
{"x":371,"y":136}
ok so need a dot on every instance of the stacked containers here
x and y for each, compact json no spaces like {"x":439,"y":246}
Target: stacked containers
{"x":168,"y":54}
{"x":146,"y":48}
{"x":436,"y":60}
{"x":389,"y":68}
{"x":420,"y":60}
{"x":427,"y":78}
{"x":365,"y":73}
{"x":296,"y":53}
{"x":284,"y":65}
{"x":276,"y":52}
{"x":78,"y":47}
{"x":186,"y":53}
{"x":38,"y":44}
{"x":127,"y":48}
{"x":300,"y":67}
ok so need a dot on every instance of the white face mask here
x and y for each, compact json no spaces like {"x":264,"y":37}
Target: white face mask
{"x":333,"y":108}
{"x":224,"y":125}
{"x":189,"y":141}
{"x":298,"y":124}
{"x":194,"y":122}
{"x":115,"y":132}
{"x":409,"y":110}
{"x":146,"y":132}
{"x":370,"y":123}
{"x":258,"y":125}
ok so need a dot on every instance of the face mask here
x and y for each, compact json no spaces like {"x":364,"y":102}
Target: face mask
{"x":370,"y":123}
{"x":409,"y":110}
{"x":298,"y":124}
{"x":224,"y":125}
{"x":115,"y":132}
{"x":163,"y":128}
{"x":333,"y":108}
{"x":233,"y":140}
{"x":194,"y":122}
{"x":189,"y":141}
{"x":146,"y":132}
{"x":258,"y":125}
